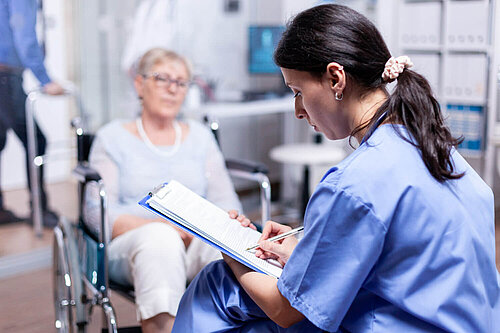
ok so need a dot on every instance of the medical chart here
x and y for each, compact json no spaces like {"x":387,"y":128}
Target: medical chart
{"x":212,"y":224}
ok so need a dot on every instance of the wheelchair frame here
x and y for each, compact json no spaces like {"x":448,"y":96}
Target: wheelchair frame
{"x":71,"y":304}
{"x":36,"y":161}
{"x":72,"y":279}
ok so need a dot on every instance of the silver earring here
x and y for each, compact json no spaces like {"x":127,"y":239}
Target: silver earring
{"x":338,"y":96}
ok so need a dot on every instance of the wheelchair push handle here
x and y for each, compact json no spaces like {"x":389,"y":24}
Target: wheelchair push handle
{"x":69,"y":90}
{"x":35,"y":162}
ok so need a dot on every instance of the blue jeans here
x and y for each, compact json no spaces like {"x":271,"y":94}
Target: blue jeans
{"x":216,"y":302}
{"x":13,"y":116}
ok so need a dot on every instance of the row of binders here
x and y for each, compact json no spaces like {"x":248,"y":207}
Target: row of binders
{"x":465,"y":75}
{"x":420,"y":24}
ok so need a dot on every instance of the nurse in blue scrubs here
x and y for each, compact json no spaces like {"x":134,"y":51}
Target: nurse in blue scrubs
{"x":399,"y":237}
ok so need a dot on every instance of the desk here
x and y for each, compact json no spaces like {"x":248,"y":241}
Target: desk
{"x":240,"y":109}
{"x":212,"y":113}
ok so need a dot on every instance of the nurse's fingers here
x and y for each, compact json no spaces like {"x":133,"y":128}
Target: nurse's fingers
{"x":272,"y":229}
{"x":263,"y":254}
{"x":266,"y":255}
{"x":281,"y":251}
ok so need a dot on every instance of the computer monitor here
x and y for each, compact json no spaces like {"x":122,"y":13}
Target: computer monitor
{"x":262,"y":41}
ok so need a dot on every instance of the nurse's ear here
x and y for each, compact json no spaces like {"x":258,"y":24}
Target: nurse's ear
{"x":336,"y":77}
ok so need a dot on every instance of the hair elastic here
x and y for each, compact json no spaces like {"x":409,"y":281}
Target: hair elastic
{"x":395,"y":66}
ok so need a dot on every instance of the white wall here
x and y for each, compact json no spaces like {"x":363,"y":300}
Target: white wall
{"x":214,"y":40}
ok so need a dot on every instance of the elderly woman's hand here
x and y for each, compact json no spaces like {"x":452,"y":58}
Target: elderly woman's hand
{"x":244,"y":221}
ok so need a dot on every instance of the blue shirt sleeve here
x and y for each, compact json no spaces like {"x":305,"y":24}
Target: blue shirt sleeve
{"x":342,"y":241}
{"x":23,"y":25}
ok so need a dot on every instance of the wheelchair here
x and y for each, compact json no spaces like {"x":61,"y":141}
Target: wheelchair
{"x":80,"y":271}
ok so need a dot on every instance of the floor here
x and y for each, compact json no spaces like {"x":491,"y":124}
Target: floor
{"x":27,"y":304}
{"x":31,"y":293}
{"x":19,"y":237}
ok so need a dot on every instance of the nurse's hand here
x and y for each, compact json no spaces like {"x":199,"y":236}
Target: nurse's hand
{"x":244,"y":221}
{"x":280,"y":250}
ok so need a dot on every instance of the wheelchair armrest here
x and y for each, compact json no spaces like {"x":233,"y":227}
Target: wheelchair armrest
{"x":255,"y":172}
{"x":246,"y":166}
{"x":86,"y":174}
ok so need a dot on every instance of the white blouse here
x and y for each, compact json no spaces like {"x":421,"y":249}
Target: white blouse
{"x":130,"y":170}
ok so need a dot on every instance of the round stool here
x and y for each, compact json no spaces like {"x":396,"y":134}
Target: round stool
{"x":307,"y":155}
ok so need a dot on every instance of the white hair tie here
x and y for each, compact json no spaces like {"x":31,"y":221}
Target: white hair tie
{"x":395,"y":66}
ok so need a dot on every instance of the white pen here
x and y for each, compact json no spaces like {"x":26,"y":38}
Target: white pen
{"x":280,"y":236}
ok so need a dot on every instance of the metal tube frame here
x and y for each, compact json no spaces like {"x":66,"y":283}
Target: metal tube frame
{"x":34,"y":161}
{"x":265,"y":191}
{"x":62,"y":259}
{"x":101,"y":296}
{"x":262,"y":179}
{"x":103,"y":235}
{"x":34,"y":168}
{"x":109,"y":313}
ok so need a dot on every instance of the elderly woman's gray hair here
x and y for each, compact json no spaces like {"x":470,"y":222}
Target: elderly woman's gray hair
{"x":157,"y":56}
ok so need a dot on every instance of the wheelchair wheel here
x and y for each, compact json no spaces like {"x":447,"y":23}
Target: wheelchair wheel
{"x":110,"y":317}
{"x":62,"y":285}
{"x":67,"y":283}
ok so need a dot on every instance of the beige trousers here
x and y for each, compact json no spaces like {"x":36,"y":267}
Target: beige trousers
{"x":155,"y":261}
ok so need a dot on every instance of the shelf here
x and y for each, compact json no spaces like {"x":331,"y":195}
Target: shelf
{"x":495,"y":136}
{"x":457,"y":101}
{"x":447,"y":49}
{"x":418,"y":1}
{"x":468,"y":49}
{"x":467,"y":153}
{"x":462,"y":64}
{"x":421,"y":49}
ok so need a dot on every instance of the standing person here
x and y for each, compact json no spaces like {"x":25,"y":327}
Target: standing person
{"x":399,"y":237}
{"x":19,"y":49}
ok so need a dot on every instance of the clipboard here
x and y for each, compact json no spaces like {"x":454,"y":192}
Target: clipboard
{"x":174,"y":202}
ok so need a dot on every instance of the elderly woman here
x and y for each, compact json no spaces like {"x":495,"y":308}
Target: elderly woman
{"x":132,"y":157}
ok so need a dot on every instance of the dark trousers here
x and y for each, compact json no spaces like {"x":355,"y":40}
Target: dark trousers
{"x":13,"y":116}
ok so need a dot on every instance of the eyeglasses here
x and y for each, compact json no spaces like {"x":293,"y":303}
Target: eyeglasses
{"x":165,"y":81}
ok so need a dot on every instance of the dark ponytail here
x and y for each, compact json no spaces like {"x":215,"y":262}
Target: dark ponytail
{"x":336,"y":33}
{"x":413,"y":105}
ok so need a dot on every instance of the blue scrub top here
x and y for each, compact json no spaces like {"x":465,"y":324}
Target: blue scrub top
{"x":387,"y":248}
